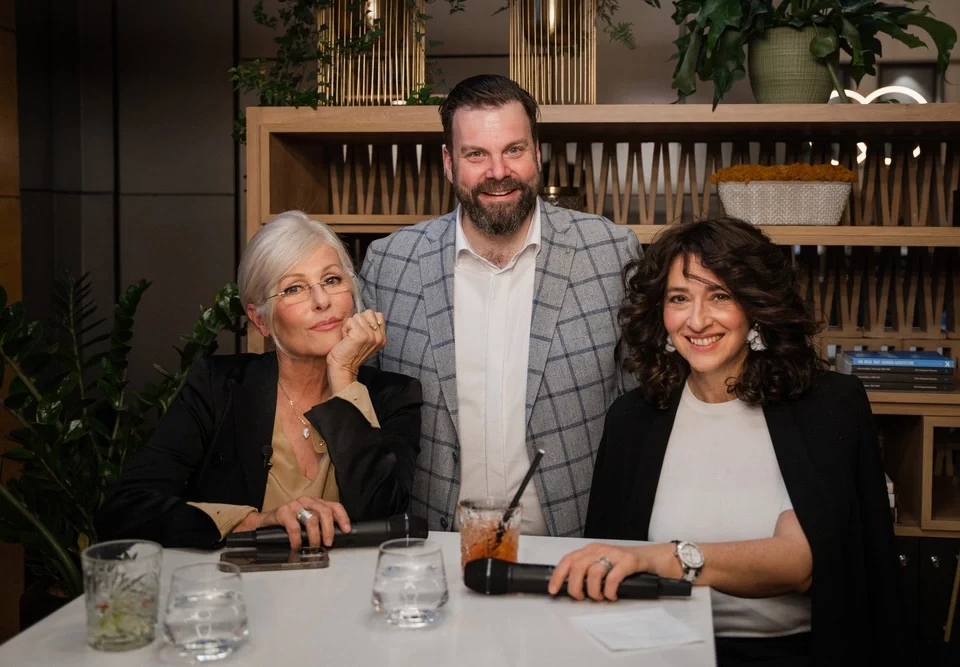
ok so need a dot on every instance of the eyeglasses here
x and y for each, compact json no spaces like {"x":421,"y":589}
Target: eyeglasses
{"x":298,"y":292}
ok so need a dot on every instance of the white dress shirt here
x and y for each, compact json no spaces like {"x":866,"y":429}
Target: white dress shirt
{"x":492,"y":310}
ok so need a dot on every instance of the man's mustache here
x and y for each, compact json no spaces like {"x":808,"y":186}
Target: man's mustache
{"x":494,"y":187}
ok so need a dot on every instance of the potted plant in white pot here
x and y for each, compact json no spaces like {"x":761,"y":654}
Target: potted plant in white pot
{"x":794,"y":45}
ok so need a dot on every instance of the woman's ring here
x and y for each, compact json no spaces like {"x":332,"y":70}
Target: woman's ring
{"x":607,"y":565}
{"x":304,"y":515}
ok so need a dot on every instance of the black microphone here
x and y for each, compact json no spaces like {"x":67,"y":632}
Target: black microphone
{"x":493,"y":576}
{"x":266,"y":452}
{"x":362,"y":533}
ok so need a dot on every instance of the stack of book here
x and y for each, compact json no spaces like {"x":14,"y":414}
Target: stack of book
{"x":899,"y":371}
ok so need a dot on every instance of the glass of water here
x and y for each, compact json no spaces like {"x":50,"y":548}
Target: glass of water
{"x":121,"y":584}
{"x":206,"y":612}
{"x":410,"y":584}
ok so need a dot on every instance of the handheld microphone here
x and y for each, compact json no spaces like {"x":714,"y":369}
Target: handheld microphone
{"x":493,"y":576}
{"x":362,"y":533}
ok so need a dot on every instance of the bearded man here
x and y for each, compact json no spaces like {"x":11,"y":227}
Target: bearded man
{"x":506,"y":311}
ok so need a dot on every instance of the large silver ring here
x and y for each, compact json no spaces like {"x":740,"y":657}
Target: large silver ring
{"x":607,"y":565}
{"x":304,"y":515}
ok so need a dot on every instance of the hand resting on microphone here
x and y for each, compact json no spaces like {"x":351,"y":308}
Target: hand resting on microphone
{"x":493,"y":576}
{"x":319,"y":527}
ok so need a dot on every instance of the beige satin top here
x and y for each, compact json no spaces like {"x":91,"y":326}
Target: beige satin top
{"x":285,"y":480}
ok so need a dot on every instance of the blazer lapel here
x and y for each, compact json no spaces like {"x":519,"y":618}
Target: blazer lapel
{"x":254,"y":400}
{"x":655,"y":437}
{"x":436,"y":277}
{"x":803,"y":483}
{"x":557,"y":248}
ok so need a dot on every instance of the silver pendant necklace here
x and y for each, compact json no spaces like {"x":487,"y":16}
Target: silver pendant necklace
{"x":296,"y":411}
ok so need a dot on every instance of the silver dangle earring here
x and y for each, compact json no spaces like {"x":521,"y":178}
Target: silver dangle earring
{"x":755,"y":340}
{"x":668,"y":344}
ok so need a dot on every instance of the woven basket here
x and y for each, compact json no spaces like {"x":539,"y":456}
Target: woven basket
{"x":785,"y":202}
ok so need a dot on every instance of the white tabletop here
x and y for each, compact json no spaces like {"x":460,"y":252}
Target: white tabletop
{"x":325,"y":617}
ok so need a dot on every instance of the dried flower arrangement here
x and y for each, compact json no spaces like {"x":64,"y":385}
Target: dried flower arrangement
{"x":745,"y":173}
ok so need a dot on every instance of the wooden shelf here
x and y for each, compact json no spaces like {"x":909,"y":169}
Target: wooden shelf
{"x":914,"y":530}
{"x":915,"y":397}
{"x":929,"y":237}
{"x":841,"y":235}
{"x":646,"y":121}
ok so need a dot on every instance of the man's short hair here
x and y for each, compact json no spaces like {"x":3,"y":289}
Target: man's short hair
{"x":486,"y":91}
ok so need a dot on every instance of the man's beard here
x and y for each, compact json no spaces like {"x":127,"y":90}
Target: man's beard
{"x":498,"y":219}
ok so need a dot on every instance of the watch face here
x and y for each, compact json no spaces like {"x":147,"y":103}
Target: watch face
{"x":691,"y":555}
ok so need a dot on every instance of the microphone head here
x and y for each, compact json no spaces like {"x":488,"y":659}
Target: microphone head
{"x":487,"y":575}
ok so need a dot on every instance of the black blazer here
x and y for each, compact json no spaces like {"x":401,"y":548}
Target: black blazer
{"x":826,"y":445}
{"x":215,"y":440}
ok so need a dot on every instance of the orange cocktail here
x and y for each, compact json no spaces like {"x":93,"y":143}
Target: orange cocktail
{"x":483,"y":531}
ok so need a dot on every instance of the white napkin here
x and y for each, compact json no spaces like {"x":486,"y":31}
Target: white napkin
{"x":643,"y":628}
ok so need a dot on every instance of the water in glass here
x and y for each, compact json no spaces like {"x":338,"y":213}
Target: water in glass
{"x":206,"y":611}
{"x":410,"y":585}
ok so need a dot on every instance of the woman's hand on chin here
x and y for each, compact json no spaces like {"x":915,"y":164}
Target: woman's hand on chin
{"x":363,"y":335}
{"x":319,"y":527}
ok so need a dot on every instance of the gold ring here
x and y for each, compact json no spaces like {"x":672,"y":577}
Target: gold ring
{"x":374,"y":326}
{"x":607,"y":565}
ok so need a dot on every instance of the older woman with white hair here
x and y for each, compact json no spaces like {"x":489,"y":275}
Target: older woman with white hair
{"x":304,"y":435}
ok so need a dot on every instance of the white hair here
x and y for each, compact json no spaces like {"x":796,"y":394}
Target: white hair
{"x":288,"y":239}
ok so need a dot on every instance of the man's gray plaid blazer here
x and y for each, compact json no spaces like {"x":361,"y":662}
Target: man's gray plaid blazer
{"x":573,"y":370}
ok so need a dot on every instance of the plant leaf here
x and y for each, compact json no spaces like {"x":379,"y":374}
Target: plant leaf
{"x":19,"y":454}
{"x":48,"y":411}
{"x":684,"y":79}
{"x":825,"y":44}
{"x":944,"y":36}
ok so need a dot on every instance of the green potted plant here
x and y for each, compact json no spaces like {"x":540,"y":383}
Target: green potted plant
{"x":78,"y":419}
{"x":719,"y":32}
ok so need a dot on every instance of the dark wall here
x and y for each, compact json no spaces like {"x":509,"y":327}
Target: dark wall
{"x":128,"y":169}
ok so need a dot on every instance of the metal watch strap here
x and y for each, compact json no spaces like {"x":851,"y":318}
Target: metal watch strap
{"x":690,"y":574}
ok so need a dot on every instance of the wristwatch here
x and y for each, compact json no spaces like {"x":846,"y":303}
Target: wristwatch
{"x":691,"y":559}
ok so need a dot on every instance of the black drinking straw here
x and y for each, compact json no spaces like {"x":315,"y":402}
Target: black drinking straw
{"x":502,"y":528}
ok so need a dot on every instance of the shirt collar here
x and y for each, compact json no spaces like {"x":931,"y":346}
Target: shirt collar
{"x":462,"y":245}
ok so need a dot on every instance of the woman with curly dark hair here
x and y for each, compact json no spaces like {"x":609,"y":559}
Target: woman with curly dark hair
{"x":747,"y":465}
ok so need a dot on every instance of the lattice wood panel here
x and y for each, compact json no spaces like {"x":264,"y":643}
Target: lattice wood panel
{"x":644,"y":183}
{"x":882,"y":294}
{"x":669,"y":182}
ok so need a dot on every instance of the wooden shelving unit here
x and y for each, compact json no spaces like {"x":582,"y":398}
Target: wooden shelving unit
{"x":846,"y":235}
{"x":887,"y":275}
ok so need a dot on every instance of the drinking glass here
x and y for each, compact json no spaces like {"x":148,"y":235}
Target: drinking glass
{"x":483,"y":531}
{"x":121,"y":584}
{"x":206,"y":611}
{"x":410,"y":584}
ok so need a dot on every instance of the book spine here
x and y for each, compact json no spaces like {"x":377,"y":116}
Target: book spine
{"x":907,"y":386}
{"x":909,"y":363}
{"x":906,"y":378}
{"x":897,"y":370}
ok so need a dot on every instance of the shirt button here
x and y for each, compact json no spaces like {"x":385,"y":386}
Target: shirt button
{"x":456,"y":458}
{"x":443,"y":522}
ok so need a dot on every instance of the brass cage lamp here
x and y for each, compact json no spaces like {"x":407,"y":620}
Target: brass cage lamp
{"x":394,"y":64}
{"x":553,"y":49}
